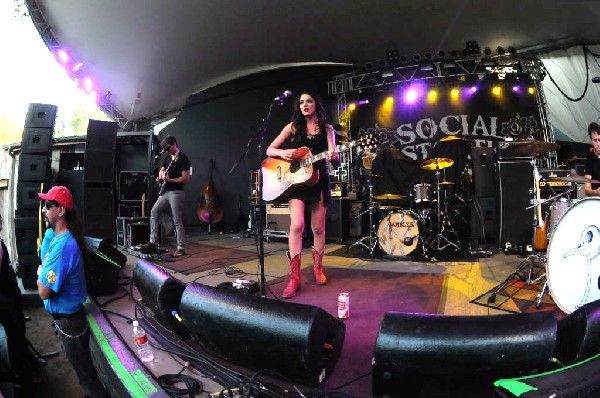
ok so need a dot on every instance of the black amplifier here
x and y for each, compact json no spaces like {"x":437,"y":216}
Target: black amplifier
{"x":549,"y":185}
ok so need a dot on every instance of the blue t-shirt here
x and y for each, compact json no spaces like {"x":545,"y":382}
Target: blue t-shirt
{"x":48,"y":236}
{"x":62,"y":271}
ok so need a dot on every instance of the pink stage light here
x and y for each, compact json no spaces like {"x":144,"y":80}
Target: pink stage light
{"x":516,"y":89}
{"x":62,"y":56}
{"x":473,"y":89}
{"x":363,"y":102}
{"x":93,"y":96}
{"x":88,"y":84}
{"x":77,"y":67}
{"x":411,"y":96}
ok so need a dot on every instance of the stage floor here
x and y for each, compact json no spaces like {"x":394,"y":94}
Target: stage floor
{"x":459,"y":282}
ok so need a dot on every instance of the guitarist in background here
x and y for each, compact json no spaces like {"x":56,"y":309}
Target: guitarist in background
{"x":172,"y":176}
{"x":308,"y":128}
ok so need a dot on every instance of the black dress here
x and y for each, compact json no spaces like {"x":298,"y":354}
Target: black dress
{"x":317,"y":144}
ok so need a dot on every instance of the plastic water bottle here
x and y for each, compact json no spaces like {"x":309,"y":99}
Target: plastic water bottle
{"x":141,"y":341}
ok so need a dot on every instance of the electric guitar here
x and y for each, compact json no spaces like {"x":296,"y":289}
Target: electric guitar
{"x":280,"y":175}
{"x":163,"y":182}
{"x":541,"y":228}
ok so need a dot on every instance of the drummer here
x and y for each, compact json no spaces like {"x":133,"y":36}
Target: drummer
{"x":592,"y":162}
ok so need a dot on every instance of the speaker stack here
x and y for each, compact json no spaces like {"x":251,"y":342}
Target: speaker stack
{"x":483,"y":220}
{"x":33,"y":172}
{"x":99,"y":178}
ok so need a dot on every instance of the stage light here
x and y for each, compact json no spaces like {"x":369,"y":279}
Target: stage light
{"x":387,"y":73}
{"x":454,"y":93}
{"x":487,"y":51}
{"x":362,"y":102}
{"x":403,"y":59}
{"x":77,"y":67}
{"x":511,"y":50}
{"x":500,"y":50}
{"x":389,"y":100}
{"x":369,"y":66}
{"x":382,"y":63}
{"x":432,"y":96}
{"x":88,"y":84}
{"x":473,"y":89}
{"x":392,"y":56}
{"x":62,"y":56}
{"x":454,"y":53}
{"x":428,"y":55}
{"x":516,"y":89}
{"x":449,"y":64}
{"x":411,"y":96}
{"x":472,"y":48}
{"x":441,"y":54}
{"x":93,"y":96}
{"x":531,"y":90}
{"x":426,"y":66}
{"x":416,"y":57}
{"x":496,"y":90}
{"x":351,"y":107}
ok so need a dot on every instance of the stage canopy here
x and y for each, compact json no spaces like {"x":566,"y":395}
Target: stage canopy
{"x":147,"y":57}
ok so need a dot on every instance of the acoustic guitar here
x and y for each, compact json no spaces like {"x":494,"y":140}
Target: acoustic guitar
{"x":541,"y":228}
{"x":280,"y":176}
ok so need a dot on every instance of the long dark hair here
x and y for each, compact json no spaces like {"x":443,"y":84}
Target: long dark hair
{"x":298,"y":119}
{"x":75,"y":226}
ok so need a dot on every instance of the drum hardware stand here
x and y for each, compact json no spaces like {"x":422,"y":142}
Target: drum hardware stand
{"x":441,"y":241}
{"x":372,"y":237}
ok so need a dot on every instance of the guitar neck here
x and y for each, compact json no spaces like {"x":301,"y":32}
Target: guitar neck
{"x":323,"y":155}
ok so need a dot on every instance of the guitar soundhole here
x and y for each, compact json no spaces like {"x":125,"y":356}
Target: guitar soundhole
{"x":294,"y":166}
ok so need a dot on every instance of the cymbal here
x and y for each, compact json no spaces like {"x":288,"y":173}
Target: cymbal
{"x":575,"y":179}
{"x":450,"y":138}
{"x":533,"y":147}
{"x":447,"y":183}
{"x":437,"y":163}
{"x":388,"y":196}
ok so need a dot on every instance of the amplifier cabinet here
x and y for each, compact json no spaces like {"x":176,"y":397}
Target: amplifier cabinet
{"x":125,"y":232}
{"x":515,"y":186}
{"x":277,"y":220}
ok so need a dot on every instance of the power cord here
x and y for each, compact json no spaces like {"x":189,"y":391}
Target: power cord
{"x":168,"y":381}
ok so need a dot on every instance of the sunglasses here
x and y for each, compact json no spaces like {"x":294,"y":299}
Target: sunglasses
{"x":50,"y":205}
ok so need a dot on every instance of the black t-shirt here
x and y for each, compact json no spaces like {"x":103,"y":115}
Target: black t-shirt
{"x":592,"y":167}
{"x":176,"y":169}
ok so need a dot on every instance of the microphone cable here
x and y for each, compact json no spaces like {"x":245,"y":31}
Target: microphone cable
{"x":193,"y":386}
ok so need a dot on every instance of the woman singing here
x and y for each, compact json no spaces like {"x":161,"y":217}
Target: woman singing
{"x":308,"y":128}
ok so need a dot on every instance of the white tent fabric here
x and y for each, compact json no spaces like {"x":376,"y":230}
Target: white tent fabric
{"x":570,"y":119}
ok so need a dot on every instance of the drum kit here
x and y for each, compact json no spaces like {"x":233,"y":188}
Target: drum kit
{"x":572,"y":233}
{"x":399,"y":232}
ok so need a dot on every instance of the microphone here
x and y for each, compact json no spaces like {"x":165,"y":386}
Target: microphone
{"x":283,"y":96}
{"x":596,"y":79}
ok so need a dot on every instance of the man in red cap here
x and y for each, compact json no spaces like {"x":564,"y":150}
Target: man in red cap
{"x":61,"y":285}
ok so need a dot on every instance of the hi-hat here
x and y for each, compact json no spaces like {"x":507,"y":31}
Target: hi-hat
{"x":437,"y":163}
{"x":388,"y":196}
{"x":447,"y":183}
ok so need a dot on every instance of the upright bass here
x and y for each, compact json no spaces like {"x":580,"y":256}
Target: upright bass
{"x":209,"y":211}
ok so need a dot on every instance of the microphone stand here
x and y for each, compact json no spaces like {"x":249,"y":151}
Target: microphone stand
{"x":259,"y":139}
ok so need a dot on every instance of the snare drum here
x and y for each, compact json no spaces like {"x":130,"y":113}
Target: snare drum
{"x":422,"y":193}
{"x":573,"y":266}
{"x":557,"y":211}
{"x":398,"y":233}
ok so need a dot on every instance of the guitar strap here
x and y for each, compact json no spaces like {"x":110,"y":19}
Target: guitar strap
{"x":164,"y":183}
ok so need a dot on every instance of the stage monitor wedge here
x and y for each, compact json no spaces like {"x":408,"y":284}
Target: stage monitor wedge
{"x":298,"y":341}
{"x":162,"y":293}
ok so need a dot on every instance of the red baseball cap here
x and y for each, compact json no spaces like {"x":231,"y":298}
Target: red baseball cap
{"x":60,"y":195}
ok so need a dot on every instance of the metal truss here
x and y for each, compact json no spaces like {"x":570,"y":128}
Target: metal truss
{"x":441,"y":69}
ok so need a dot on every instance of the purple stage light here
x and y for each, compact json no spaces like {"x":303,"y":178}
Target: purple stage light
{"x":473,"y":89}
{"x":516,"y":89}
{"x":88,"y":84}
{"x":62,"y":56}
{"x":411,"y":96}
{"x":77,"y":67}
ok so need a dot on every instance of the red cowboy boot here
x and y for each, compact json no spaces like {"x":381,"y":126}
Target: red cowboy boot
{"x":320,"y":277}
{"x":295,"y":279}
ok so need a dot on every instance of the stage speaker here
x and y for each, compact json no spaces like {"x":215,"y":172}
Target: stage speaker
{"x":579,"y":334}
{"x":73,"y":179}
{"x":101,"y":136}
{"x":413,"y":348}
{"x":99,"y":166}
{"x":515,"y":182}
{"x":34,"y":168}
{"x":41,"y":116}
{"x":27,"y":197}
{"x":36,"y":141}
{"x":483,"y":218}
{"x":102,"y":265}
{"x":483,"y":163}
{"x":98,"y":213}
{"x":26,"y":234}
{"x":27,"y":265}
{"x":336,"y":223}
{"x":162,"y":293}
{"x":298,"y":341}
{"x":579,"y":380}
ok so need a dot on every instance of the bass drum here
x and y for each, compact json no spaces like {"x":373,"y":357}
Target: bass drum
{"x":398,"y":233}
{"x":573,"y":267}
